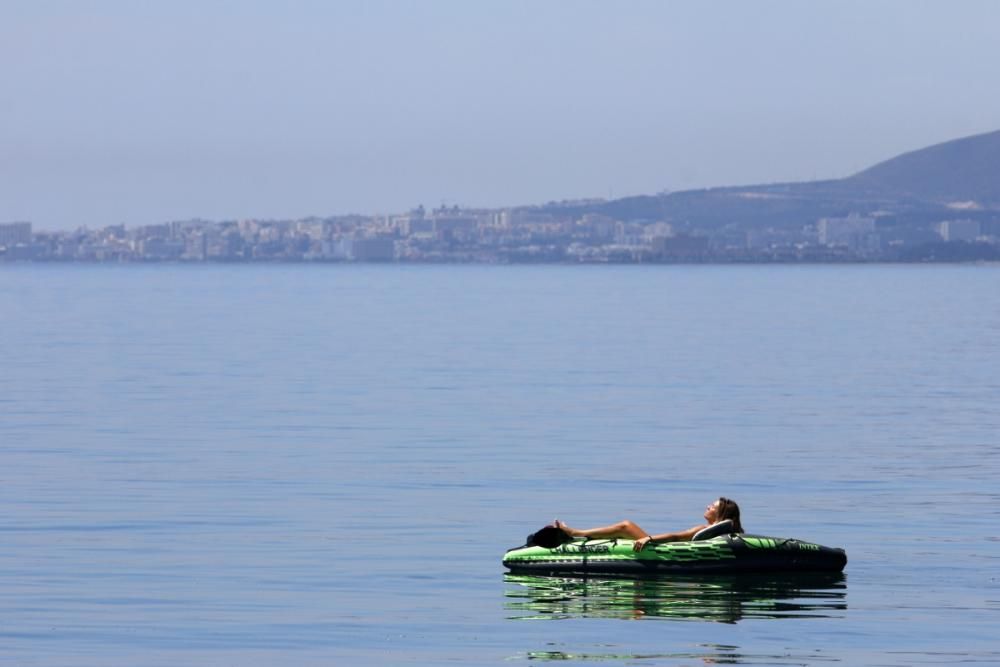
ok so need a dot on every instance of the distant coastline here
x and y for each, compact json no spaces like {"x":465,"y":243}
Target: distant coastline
{"x":511,"y":236}
{"x":937,"y":204}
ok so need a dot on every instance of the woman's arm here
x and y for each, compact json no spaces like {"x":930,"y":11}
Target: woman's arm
{"x":679,"y":536}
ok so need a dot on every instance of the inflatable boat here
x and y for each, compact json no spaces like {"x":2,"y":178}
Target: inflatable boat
{"x":714,"y":550}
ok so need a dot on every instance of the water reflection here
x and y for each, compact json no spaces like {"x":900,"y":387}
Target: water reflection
{"x":707,"y":654}
{"x":723,"y":599}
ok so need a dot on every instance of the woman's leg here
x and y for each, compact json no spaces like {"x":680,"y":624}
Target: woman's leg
{"x":625,"y":529}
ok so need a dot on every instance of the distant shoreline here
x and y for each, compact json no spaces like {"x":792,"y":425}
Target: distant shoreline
{"x":215,"y":263}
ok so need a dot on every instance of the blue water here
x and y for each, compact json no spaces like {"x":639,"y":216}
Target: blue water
{"x":319,"y":465}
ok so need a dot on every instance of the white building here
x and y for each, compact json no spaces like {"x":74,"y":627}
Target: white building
{"x":959,"y":230}
{"x":856,"y":232}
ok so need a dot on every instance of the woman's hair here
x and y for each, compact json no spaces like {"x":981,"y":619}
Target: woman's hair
{"x":728,"y":509}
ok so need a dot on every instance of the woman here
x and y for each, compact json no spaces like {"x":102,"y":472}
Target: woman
{"x":717,"y":511}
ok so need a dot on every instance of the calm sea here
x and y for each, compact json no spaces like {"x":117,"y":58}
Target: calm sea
{"x":322,"y":465}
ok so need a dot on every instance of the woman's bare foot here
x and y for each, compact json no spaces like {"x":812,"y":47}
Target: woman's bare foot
{"x":563,"y":527}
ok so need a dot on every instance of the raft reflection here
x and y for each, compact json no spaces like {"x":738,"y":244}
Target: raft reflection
{"x":722,"y":599}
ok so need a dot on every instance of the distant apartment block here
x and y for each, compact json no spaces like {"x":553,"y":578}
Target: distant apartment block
{"x":681,"y":246}
{"x":959,"y":230}
{"x":372,"y":250}
{"x":14,"y":233}
{"x":854,"y":232}
{"x":844,"y":231}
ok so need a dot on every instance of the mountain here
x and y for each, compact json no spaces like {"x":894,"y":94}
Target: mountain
{"x":914,"y":189}
{"x":962,"y":170}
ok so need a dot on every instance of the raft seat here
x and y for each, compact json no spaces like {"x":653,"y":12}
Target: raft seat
{"x":724,"y":527}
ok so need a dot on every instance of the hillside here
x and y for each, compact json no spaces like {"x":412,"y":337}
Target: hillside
{"x":966,"y":169}
{"x":915,"y":187}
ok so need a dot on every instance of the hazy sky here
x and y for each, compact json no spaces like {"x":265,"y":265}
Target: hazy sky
{"x":141,"y":112}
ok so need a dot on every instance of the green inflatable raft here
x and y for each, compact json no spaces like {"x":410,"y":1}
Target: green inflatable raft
{"x":713,"y":551}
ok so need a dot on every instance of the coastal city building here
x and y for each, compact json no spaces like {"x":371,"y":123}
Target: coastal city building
{"x":14,"y":233}
{"x":856,"y":232}
{"x":959,"y":230}
{"x":529,"y":234}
